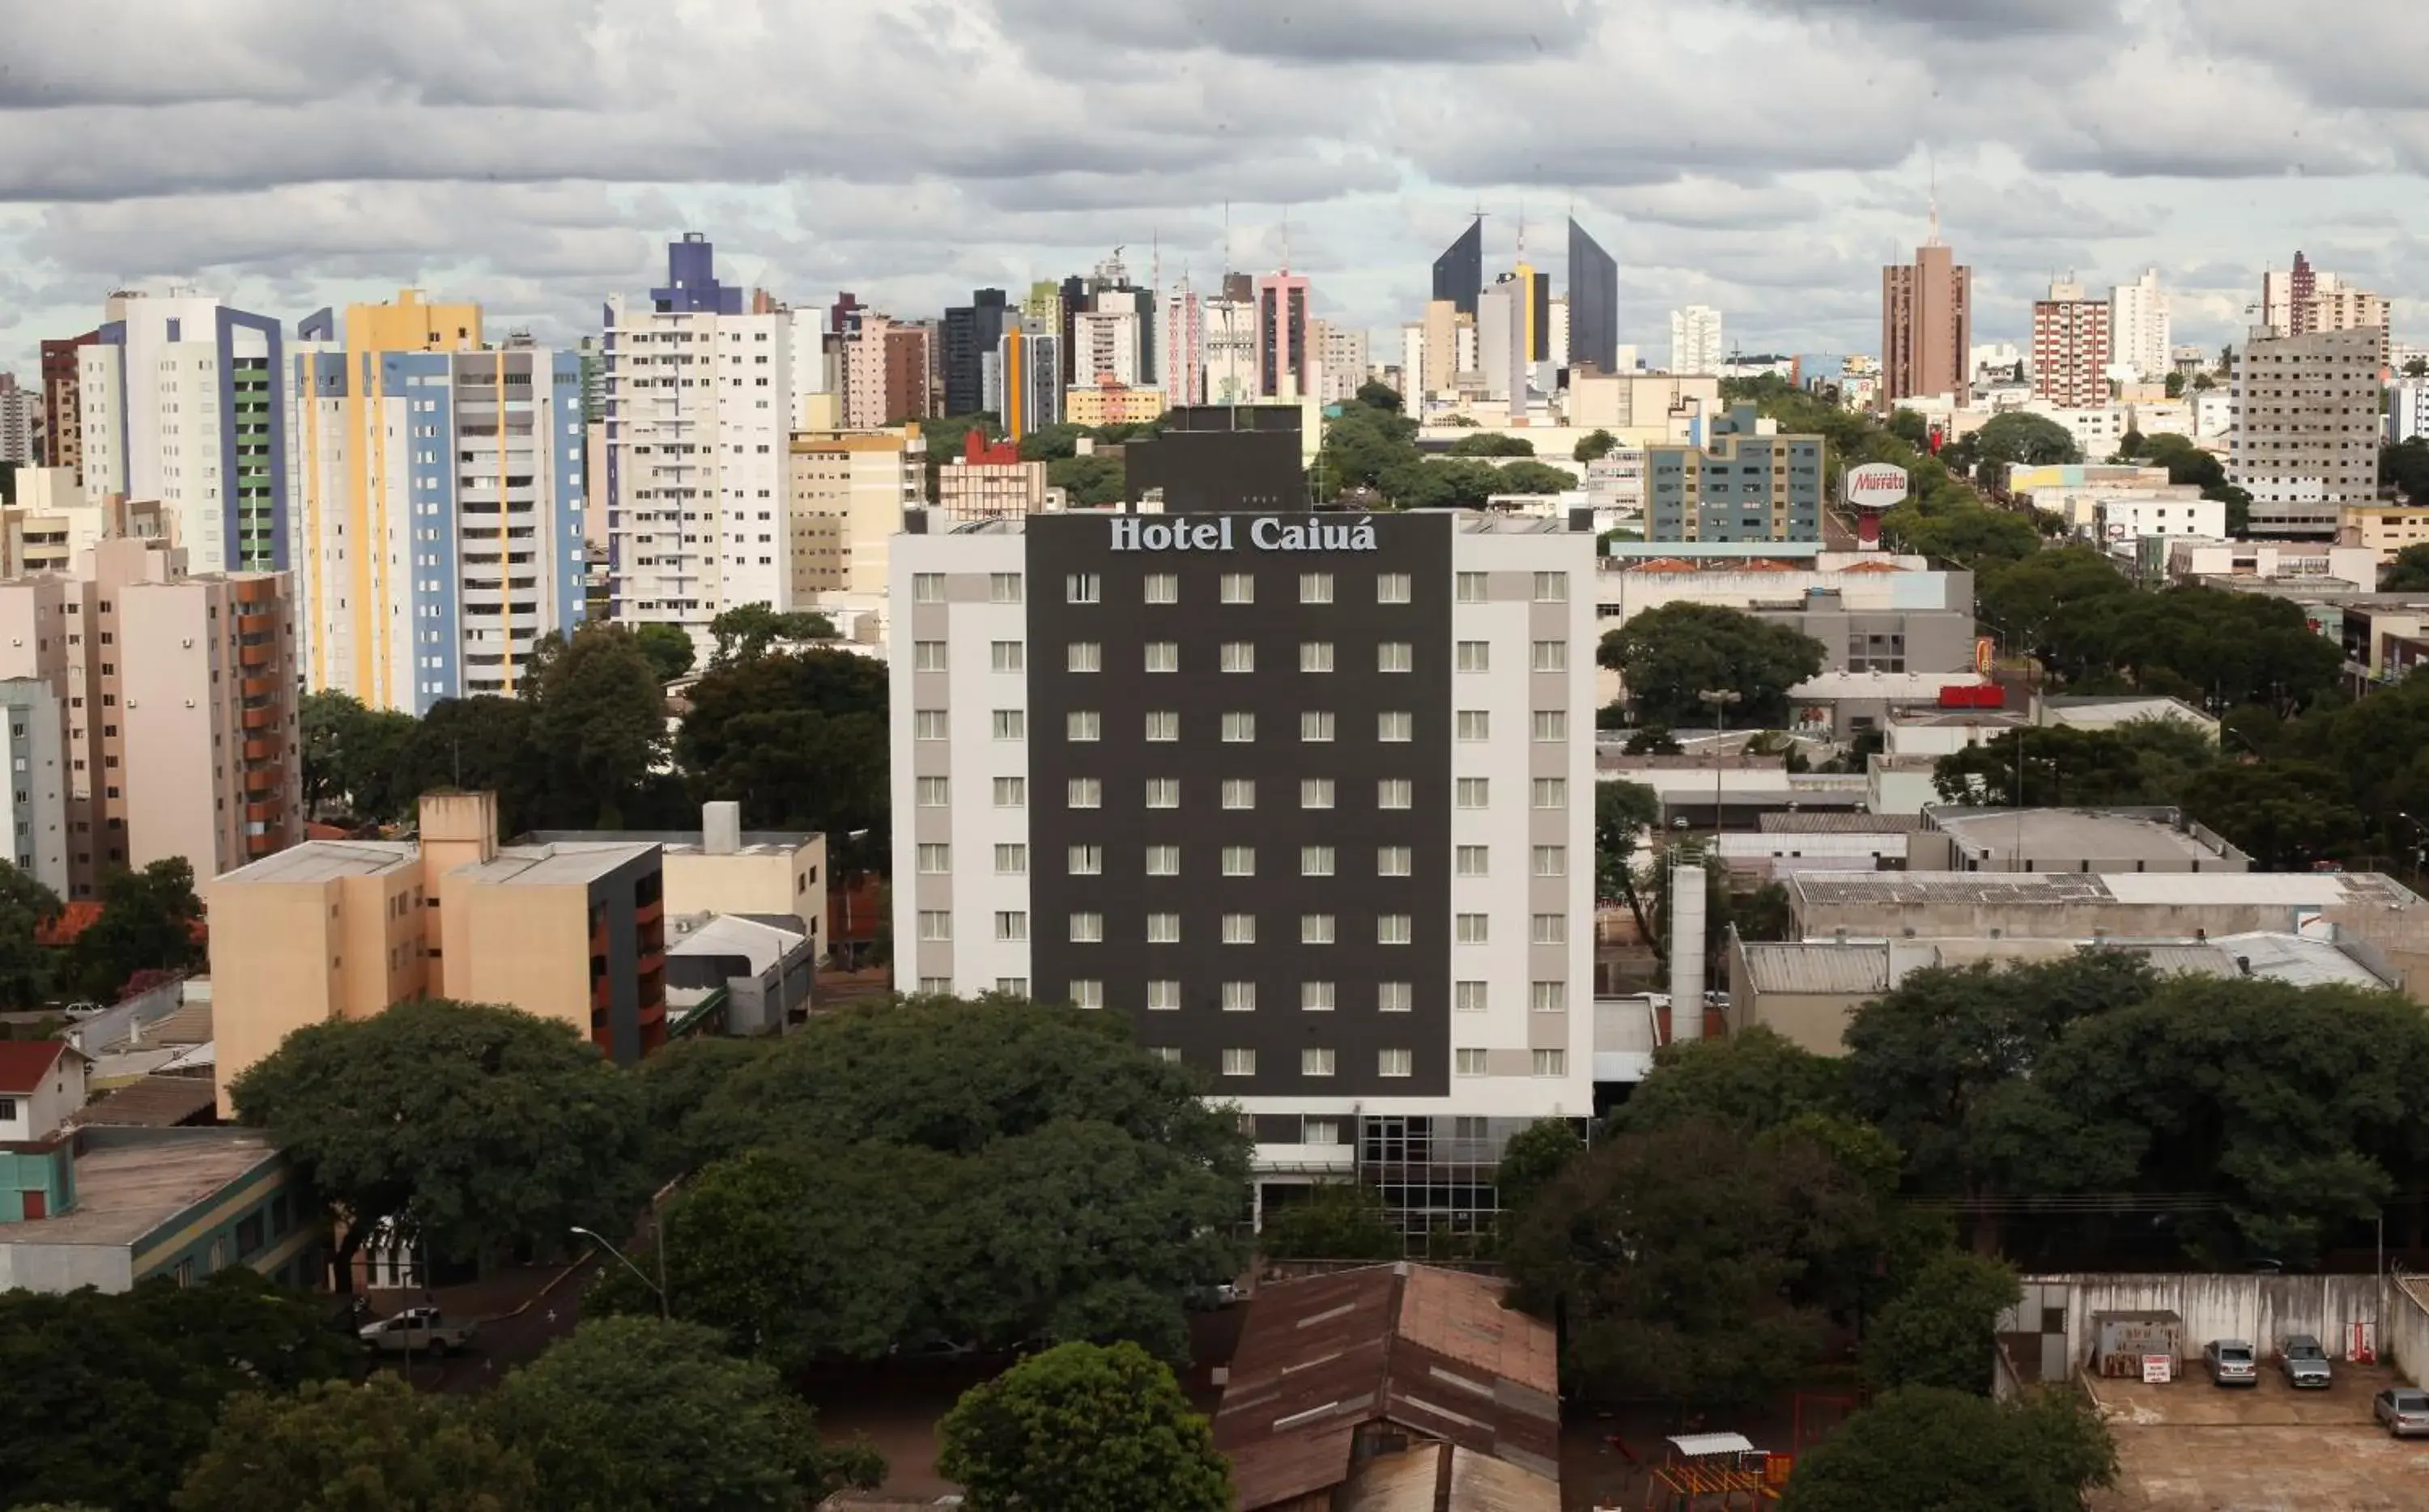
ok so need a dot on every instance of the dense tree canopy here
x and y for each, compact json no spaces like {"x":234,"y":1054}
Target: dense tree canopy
{"x":1081,"y":1428}
{"x":600,"y":718}
{"x":1756,"y":1080}
{"x":668,"y":650}
{"x":26,"y":968}
{"x":146,"y":925}
{"x":1593,"y":447}
{"x":2409,"y":571}
{"x":1670,"y":656}
{"x":1926,"y":1447}
{"x":471,"y":1126}
{"x":1334,"y":1220}
{"x":2142,"y":761}
{"x":2016,"y":437}
{"x":352,"y":755}
{"x":1939,"y":1331}
{"x":799,"y":740}
{"x":747,"y":630}
{"x":377,"y":1446}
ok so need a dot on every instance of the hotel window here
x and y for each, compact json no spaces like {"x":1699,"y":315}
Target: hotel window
{"x":1239,"y":1062}
{"x":1475,"y":656}
{"x":1468,"y":996}
{"x":1239,"y":729}
{"x":1393,"y":656}
{"x":929,"y":723}
{"x":1239,"y":587}
{"x":1163,"y":929}
{"x":1552,"y":656}
{"x":935,"y":986}
{"x":1010,"y":724}
{"x":1468,"y":587}
{"x":1551,"y":791}
{"x":1314,"y":726}
{"x":1551,"y":587}
{"x":1011,"y":925}
{"x":926,"y":656}
{"x":1239,"y":998}
{"x":1082,"y":587}
{"x":1011,"y":792}
{"x":1315,"y":929}
{"x":1163,"y":724}
{"x":1548,"y":996}
{"x":1239,"y":656}
{"x":936,"y":792}
{"x":1391,"y":928}
{"x":1548,"y":929}
{"x":1164,"y":861}
{"x":1393,"y":793}
{"x":1239,"y":860}
{"x":1475,"y":723}
{"x":1391,"y":861}
{"x":1087,"y":994}
{"x":1319,"y":1131}
{"x":1474,"y":792}
{"x":1315,"y":997}
{"x":1082,"y":724}
{"x":1315,"y":587}
{"x":1471,"y":928}
{"x":1315,"y":656}
{"x":1084,"y":860}
{"x":1006,"y":656}
{"x":1468,"y":1062}
{"x":1391,"y":588}
{"x":1472,"y":860}
{"x":1239,"y":929}
{"x":1551,"y":861}
{"x":1239,"y":793}
{"x":1551,"y":1063}
{"x":1164,"y":656}
{"x":1395,"y":1063}
{"x":1084,"y":657}
{"x":1168,"y":1054}
{"x":1003,"y":587}
{"x":1395,"y":998}
{"x":1551,"y":724}
{"x":1012,"y":860}
{"x":1163,"y":587}
{"x":1084,"y":793}
{"x":1316,"y":861}
{"x":927,"y":587}
{"x":935,"y":860}
{"x":1316,"y":791}
{"x":1316,"y":1062}
{"x":935,"y":923}
{"x":1163,"y":792}
{"x":1163,"y":998}
{"x":1395,"y":725}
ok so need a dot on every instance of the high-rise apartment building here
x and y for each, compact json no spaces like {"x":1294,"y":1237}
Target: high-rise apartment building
{"x":848,"y":490}
{"x":1232,"y":330}
{"x":1308,"y":801}
{"x":1594,"y":304}
{"x":1696,"y":344}
{"x":184,"y":400}
{"x":988,"y":480}
{"x":1107,"y":343}
{"x":63,"y":403}
{"x":1184,"y":345}
{"x":1340,"y":361}
{"x":970,"y":331}
{"x":440,"y":501}
{"x":698,"y":390}
{"x":2071,"y":346}
{"x":1501,"y":339}
{"x":1534,"y":312}
{"x":1749,"y":484}
{"x":1285,"y":362}
{"x":2137,"y":328}
{"x":2302,"y":300}
{"x":884,"y":372}
{"x":1443,"y":325}
{"x":2308,"y":427}
{"x":21,"y":421}
{"x":1459,"y":272}
{"x":1024,"y":377}
{"x":1927,"y":326}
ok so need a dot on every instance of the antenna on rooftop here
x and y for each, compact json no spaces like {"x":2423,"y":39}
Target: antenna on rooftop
{"x":1932,"y":162}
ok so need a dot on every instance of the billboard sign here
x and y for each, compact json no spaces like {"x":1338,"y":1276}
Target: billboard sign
{"x":1873,"y":485}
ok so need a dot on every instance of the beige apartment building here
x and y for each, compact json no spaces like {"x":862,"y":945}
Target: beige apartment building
{"x":2383,"y":528}
{"x":1112,"y":405}
{"x":571,"y":931}
{"x":51,"y":524}
{"x":1927,"y":326}
{"x":989,"y":482}
{"x":845,"y":493}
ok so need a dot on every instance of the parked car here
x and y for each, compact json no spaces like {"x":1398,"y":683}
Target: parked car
{"x":417,"y":1331}
{"x":2231,"y":1362}
{"x":83,"y":1009}
{"x":2403,"y":1409}
{"x":2304,"y":1361}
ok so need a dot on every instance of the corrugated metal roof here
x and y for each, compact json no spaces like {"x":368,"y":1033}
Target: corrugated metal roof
{"x":1816,"y":967}
{"x":1806,"y":822}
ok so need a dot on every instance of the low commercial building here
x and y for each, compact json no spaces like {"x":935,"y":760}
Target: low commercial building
{"x":1957,"y":839}
{"x":1734,"y":791}
{"x":2291,"y":565}
{"x":2095,"y":905}
{"x":114,"y":1208}
{"x":1843,"y":705}
{"x":2119,"y":521}
{"x":1871,"y":611}
{"x":989,"y":481}
{"x":722,"y":868}
{"x":739,"y":974}
{"x":2383,"y":529}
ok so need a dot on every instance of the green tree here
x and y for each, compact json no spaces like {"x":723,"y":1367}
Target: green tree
{"x":1669,"y":656}
{"x":600,"y":715}
{"x":1910,"y":427}
{"x":1533,"y":1158}
{"x":1967,"y":535}
{"x":2287,"y":815}
{"x":1938,"y":1331}
{"x":2015,"y":437}
{"x":146,"y":924}
{"x":1622,"y":810}
{"x":474,"y":1128}
{"x":1593,"y":447}
{"x":1491,"y":444}
{"x":799,"y":740}
{"x":479,"y":745}
{"x":745,"y":632}
{"x":1093,"y":481}
{"x":2146,"y":761}
{"x":351,"y":755}
{"x":26,"y":966}
{"x":1526,"y":477}
{"x":1081,"y":1428}
{"x":1336,"y":1221}
{"x":1757,"y":1080}
{"x":2199,"y":644}
{"x":2406,"y":465}
{"x":723,"y":1435}
{"x":676,"y":1081}
{"x":377,"y":1446}
{"x":2408,"y":572}
{"x":2130,"y":446}
{"x":1932,"y":1448}
{"x":1379,"y":396}
{"x":1052,"y":443}
{"x":2022,"y":600}
{"x":2175,"y":385}
{"x":668,"y":649}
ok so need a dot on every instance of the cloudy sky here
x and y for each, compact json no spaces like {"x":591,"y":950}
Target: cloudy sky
{"x":1762,"y":156}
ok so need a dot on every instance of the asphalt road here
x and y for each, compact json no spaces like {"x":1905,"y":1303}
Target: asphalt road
{"x":509,"y":1340}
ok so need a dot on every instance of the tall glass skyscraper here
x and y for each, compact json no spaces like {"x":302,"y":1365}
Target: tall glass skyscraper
{"x":1594,"y":303}
{"x":1459,"y":272}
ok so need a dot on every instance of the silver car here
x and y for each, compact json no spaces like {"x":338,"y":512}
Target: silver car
{"x":2404,"y":1410}
{"x":2231,"y":1362}
{"x":2305,"y":1362}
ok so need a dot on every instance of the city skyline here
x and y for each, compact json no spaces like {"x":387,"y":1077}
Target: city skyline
{"x":462,"y":173}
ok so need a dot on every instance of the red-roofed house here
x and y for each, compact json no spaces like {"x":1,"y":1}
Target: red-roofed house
{"x":41,"y":1083}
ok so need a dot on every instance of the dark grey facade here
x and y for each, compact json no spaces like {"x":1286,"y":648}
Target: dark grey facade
{"x":1211,"y":458}
{"x":1459,"y":272}
{"x":1742,"y":486}
{"x":1594,"y":303}
{"x":970,"y":332}
{"x":1276,"y":761}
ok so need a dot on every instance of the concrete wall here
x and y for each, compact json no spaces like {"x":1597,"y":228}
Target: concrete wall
{"x":758,"y":880}
{"x":2256,"y":1309}
{"x":276,"y":966}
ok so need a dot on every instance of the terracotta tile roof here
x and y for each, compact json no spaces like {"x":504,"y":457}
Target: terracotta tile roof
{"x":23,"y":1063}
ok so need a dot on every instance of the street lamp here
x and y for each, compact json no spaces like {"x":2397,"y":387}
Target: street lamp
{"x":1719,"y":700}
{"x":658,"y":1226}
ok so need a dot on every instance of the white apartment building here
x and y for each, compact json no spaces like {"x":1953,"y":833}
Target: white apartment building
{"x":2407,"y":409}
{"x":2138,"y":329}
{"x":1105,"y":347}
{"x":698,"y":387}
{"x":1308,"y":801}
{"x":2122,"y":519}
{"x":1340,"y":362}
{"x":1230,"y":342}
{"x":2308,"y":427}
{"x":1696,"y":344}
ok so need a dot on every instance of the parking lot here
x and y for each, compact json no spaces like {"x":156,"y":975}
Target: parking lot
{"x":2193,"y":1447}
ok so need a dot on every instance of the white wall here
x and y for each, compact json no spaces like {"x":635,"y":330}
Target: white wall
{"x":61,"y":1092}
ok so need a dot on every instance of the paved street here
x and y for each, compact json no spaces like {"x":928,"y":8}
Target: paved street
{"x":520,"y":1312}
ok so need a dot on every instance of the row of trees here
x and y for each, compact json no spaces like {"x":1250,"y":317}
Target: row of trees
{"x":144,"y":931}
{"x":1371,"y":445}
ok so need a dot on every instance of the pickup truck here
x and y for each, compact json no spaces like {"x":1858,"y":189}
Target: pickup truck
{"x":418,"y":1331}
{"x":2304,"y":1361}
